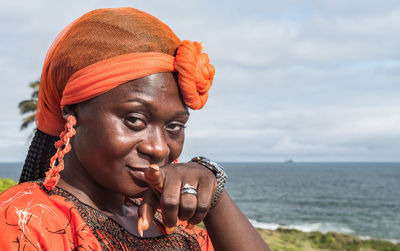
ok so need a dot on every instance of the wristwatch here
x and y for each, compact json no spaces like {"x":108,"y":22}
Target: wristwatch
{"x":219,"y":172}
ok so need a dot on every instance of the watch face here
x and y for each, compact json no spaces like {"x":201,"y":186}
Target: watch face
{"x":215,"y":167}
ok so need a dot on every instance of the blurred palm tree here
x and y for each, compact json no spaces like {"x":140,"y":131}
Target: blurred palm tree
{"x":29,"y":106}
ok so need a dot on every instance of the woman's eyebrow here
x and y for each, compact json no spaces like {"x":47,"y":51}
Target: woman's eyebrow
{"x":182,"y":113}
{"x":139,"y":100}
{"x":149,"y":105}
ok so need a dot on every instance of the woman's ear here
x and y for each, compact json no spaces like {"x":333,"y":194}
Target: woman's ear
{"x":69,"y":110}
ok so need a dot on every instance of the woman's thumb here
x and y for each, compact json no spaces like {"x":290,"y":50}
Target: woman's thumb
{"x":155,"y":178}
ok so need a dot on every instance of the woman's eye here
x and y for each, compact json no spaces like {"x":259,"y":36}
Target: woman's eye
{"x":135,"y":123}
{"x":175,"y":128}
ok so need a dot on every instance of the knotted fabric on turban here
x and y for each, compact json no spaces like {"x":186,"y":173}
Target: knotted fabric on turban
{"x":108,"y":47}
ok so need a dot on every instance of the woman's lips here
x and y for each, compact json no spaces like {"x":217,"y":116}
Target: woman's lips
{"x":137,"y":174}
{"x":142,"y":169}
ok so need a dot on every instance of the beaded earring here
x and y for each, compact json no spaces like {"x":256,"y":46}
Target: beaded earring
{"x":63,"y":147}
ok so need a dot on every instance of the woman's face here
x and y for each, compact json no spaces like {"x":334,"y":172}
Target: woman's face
{"x":122,"y":132}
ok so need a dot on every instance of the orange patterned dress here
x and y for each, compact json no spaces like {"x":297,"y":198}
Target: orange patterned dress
{"x":32,"y":218}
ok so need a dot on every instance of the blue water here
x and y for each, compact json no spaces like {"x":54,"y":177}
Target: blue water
{"x":358,"y":198}
{"x":11,"y":170}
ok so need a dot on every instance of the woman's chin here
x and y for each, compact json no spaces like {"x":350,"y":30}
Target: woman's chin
{"x":137,"y":194}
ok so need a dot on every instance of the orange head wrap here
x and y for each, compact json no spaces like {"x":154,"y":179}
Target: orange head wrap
{"x":108,"y":47}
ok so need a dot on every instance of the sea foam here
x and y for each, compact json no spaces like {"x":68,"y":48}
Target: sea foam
{"x":322,"y":227}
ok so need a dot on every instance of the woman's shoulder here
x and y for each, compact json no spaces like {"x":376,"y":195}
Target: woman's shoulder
{"x":20,"y":193}
{"x":30,"y":217}
{"x":27,"y":195}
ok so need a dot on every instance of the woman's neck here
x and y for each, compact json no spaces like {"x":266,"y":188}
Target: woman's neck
{"x":76,"y":180}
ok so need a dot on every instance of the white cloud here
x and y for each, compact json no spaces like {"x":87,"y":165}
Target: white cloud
{"x":295,"y":79}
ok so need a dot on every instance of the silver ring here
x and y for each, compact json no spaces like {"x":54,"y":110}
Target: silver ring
{"x":188,"y":189}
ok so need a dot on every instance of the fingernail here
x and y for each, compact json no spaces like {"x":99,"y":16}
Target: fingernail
{"x":189,"y":226}
{"x":139,"y":226}
{"x":155,"y":167}
{"x":152,"y":174}
{"x":153,"y":177}
{"x":170,"y":230}
{"x":145,"y":225}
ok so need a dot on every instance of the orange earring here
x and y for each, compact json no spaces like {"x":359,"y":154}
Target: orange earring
{"x":63,"y":147}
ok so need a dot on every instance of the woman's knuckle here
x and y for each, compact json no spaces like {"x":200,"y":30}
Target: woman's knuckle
{"x":170,"y":203}
{"x":195,"y":220}
{"x":187,"y":208}
{"x":202,"y":208}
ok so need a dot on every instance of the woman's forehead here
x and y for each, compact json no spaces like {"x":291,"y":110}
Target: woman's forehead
{"x":156,"y":88}
{"x":158,"y":83}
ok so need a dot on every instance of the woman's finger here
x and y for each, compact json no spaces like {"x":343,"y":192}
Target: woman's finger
{"x":169,"y":202}
{"x":188,"y":204}
{"x":155,"y":178}
{"x":146,"y":211}
{"x":206,"y":189}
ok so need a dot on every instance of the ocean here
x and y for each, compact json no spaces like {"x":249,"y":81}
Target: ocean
{"x":362,"y":199}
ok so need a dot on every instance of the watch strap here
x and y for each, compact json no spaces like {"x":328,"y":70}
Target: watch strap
{"x":220,"y":175}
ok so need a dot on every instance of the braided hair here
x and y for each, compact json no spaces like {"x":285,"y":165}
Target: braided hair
{"x":37,"y":161}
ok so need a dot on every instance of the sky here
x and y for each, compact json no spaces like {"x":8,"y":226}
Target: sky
{"x":302,"y":80}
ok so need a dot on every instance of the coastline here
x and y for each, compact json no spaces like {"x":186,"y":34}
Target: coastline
{"x":316,"y":227}
{"x":291,"y":239}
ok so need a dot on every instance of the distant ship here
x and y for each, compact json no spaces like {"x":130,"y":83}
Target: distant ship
{"x":288,"y":161}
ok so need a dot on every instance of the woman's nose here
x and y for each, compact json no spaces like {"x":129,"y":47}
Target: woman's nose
{"x":155,"y":146}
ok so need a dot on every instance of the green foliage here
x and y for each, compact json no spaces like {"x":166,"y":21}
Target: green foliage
{"x":381,"y":245}
{"x":6,"y":183}
{"x":29,"y":106}
{"x":294,"y":240}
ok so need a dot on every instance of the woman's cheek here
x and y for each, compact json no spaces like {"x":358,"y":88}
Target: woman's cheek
{"x":176,"y":147}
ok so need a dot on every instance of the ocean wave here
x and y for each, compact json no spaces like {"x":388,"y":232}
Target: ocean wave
{"x":322,"y":227}
{"x":392,"y":241}
{"x":366,"y":238}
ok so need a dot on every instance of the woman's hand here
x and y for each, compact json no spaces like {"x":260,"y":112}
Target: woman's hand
{"x":165,"y":194}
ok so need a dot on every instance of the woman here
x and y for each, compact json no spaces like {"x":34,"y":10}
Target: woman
{"x":116,"y":86}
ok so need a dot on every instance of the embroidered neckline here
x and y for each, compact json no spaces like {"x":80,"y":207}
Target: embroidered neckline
{"x":112,"y":236}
